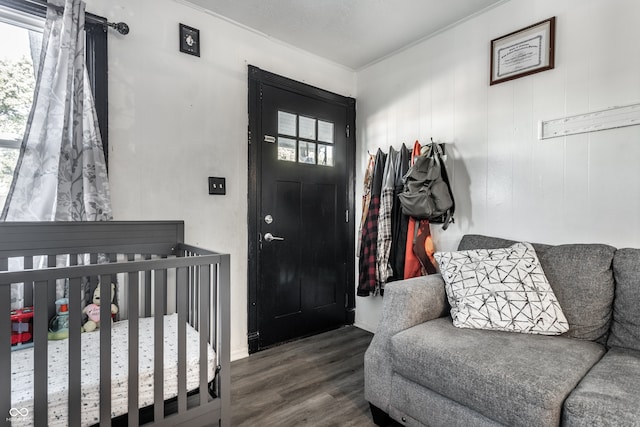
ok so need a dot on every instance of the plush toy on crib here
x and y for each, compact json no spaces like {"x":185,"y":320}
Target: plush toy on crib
{"x":93,"y":310}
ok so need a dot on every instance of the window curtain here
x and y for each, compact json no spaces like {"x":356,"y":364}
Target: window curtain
{"x":61,"y":173}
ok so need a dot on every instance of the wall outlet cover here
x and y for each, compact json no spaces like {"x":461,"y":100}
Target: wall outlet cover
{"x":217,"y":185}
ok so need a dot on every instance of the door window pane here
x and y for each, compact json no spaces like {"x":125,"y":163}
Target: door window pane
{"x":325,"y":131}
{"x":307,"y":128}
{"x":307,"y":152}
{"x":286,"y":124}
{"x":287,"y":149}
{"x":325,"y":155}
{"x":309,"y":140}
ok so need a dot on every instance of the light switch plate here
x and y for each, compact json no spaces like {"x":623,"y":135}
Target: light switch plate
{"x":217,"y":185}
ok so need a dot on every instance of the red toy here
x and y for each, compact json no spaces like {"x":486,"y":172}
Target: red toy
{"x":21,"y":325}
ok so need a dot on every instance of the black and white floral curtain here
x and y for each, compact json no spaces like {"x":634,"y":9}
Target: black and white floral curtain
{"x":61,"y":173}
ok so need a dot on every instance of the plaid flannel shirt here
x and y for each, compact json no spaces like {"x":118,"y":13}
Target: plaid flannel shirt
{"x":367,"y":261}
{"x":383,"y":271}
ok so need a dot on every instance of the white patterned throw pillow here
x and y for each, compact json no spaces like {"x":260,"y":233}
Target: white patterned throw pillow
{"x":502,"y":289}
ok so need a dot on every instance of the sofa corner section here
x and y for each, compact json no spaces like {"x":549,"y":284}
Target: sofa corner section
{"x":406,"y":303}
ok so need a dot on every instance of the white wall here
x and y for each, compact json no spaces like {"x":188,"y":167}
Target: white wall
{"x":175,"y":119}
{"x":582,"y":188}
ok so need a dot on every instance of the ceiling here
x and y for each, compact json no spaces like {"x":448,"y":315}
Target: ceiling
{"x":353,"y":33}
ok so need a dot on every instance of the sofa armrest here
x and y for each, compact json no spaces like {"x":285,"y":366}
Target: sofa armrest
{"x":410,"y":302}
{"x":406,"y":303}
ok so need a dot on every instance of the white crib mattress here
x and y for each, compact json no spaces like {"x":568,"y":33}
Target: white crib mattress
{"x":22,"y":371}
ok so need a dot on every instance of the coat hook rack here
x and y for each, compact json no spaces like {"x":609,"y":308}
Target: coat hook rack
{"x":440,"y":145}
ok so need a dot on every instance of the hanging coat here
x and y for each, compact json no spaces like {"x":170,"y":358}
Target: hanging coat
{"x":384,"y":219}
{"x":367,"y":261}
{"x":399,"y":221}
{"x":419,"y":249}
{"x":423,"y":247}
{"x":412,"y":267}
{"x":366,"y":197}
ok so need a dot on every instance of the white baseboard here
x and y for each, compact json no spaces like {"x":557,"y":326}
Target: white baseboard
{"x":367,"y":327}
{"x":240,"y":353}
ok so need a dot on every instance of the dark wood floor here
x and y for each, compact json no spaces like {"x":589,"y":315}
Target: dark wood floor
{"x":316,"y":381}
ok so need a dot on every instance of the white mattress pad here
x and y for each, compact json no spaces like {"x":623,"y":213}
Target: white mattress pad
{"x":58,"y":364}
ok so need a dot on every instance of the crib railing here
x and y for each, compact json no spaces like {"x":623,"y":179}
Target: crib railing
{"x":186,"y":280}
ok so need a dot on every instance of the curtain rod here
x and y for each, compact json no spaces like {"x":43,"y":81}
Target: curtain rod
{"x":120,"y":27}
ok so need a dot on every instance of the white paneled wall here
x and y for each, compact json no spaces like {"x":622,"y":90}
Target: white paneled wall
{"x":582,"y":188}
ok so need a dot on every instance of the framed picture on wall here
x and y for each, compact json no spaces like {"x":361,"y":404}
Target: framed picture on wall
{"x":523,"y":52}
{"x":189,"y":40}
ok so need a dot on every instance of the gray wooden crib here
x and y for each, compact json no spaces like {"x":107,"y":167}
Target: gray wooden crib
{"x":163,"y":359}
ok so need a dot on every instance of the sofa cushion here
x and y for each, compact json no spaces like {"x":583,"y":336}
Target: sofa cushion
{"x":502,"y":289}
{"x":609,"y":394}
{"x":625,"y":330}
{"x":581,"y":276}
{"x":411,"y":402}
{"x":515,"y":379}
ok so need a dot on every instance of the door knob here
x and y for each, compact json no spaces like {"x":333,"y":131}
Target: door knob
{"x":270,"y":237}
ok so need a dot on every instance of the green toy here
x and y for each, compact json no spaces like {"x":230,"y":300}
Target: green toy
{"x":59,"y":325}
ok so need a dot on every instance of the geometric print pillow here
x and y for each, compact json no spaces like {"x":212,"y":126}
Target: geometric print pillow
{"x":501,"y":289}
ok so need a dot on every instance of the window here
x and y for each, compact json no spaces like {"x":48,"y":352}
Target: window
{"x":304,"y":139}
{"x":17,"y":83}
{"x":22,"y":23}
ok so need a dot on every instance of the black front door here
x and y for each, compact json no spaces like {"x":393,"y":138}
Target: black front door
{"x":303,"y":211}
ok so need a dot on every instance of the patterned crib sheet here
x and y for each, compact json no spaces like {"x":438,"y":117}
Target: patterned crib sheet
{"x":22,"y":371}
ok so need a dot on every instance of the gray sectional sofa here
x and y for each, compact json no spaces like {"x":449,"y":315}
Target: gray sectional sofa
{"x":420,"y":370}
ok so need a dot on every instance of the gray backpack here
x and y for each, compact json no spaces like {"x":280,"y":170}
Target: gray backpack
{"x":427,"y":193}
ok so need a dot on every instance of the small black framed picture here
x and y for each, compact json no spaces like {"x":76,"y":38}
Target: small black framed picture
{"x":189,"y":40}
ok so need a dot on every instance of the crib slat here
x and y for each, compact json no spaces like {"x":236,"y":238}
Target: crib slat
{"x":182,"y":288}
{"x":93,"y":280}
{"x":190,"y":286}
{"x":114,"y":278}
{"x":75,"y":348}
{"x":159,"y":292}
{"x":193,"y":309}
{"x":51,"y":262}
{"x":224,"y":307}
{"x":204,"y":332}
{"x":213,"y":315}
{"x":5,"y":347}
{"x":133,"y":301}
{"x":40,"y":352}
{"x":105,"y":356}
{"x":147,"y":290}
{"x":28,"y":289}
{"x":196,"y":297}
